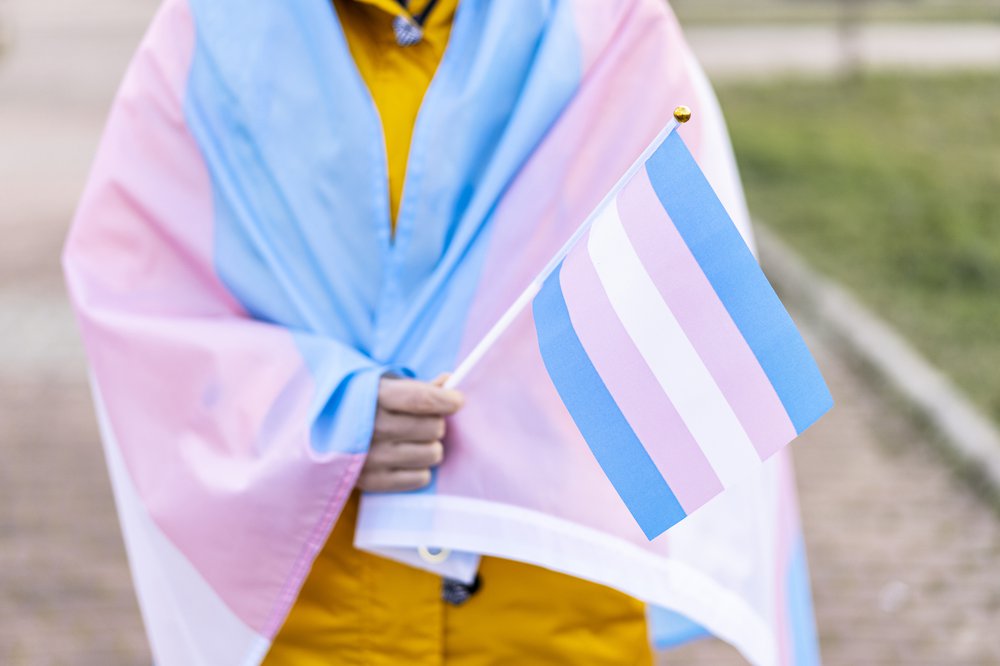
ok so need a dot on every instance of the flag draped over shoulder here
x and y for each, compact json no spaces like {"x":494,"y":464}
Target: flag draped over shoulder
{"x":240,"y":296}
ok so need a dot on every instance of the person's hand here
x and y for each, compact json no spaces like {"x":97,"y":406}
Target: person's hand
{"x":409,"y":429}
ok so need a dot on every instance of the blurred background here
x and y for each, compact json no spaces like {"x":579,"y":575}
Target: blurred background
{"x":868,"y":133}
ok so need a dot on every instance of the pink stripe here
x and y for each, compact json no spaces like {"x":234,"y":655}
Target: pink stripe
{"x":690,"y":296}
{"x":210,"y":409}
{"x":638,"y":394}
{"x":313,"y":545}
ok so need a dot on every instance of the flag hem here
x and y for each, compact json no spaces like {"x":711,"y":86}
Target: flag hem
{"x":468,"y":525}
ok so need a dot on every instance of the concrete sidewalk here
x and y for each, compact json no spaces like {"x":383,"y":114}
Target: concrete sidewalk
{"x":759,"y":51}
{"x":904,"y":558}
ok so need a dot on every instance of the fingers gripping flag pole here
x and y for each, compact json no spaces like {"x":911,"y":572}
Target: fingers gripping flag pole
{"x":665,"y":342}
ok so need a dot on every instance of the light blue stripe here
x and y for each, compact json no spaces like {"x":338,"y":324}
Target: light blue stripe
{"x":595,"y":412}
{"x":736,"y":277}
{"x":669,"y":629}
{"x":801,"y":621}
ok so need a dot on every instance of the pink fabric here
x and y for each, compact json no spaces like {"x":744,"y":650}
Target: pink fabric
{"x":638,"y":394}
{"x":693,"y":301}
{"x":227,"y":453}
{"x":665,"y":72}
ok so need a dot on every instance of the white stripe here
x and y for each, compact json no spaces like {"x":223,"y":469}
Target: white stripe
{"x":186,"y":621}
{"x":667,"y":350}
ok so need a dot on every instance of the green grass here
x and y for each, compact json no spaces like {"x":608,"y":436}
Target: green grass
{"x":890,"y":184}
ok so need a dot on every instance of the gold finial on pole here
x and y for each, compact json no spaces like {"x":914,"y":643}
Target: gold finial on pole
{"x":682,"y":114}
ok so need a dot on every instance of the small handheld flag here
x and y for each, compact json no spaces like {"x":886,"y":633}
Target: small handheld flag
{"x":666,"y":343}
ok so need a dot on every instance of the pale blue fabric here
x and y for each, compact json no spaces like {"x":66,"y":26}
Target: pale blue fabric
{"x":294,"y":146}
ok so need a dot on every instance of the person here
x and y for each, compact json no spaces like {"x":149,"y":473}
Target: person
{"x":288,"y":236}
{"x":397,"y":614}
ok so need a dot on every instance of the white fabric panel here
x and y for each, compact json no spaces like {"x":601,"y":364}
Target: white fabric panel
{"x":715,"y":156}
{"x":188,"y":624}
{"x":733,"y":539}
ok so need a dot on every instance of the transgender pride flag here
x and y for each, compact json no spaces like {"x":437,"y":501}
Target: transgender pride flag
{"x":668,"y":346}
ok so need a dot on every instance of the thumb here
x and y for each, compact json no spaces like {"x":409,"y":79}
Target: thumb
{"x":453,"y":394}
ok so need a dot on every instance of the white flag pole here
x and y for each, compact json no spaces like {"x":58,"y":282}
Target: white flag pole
{"x":681,"y":115}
